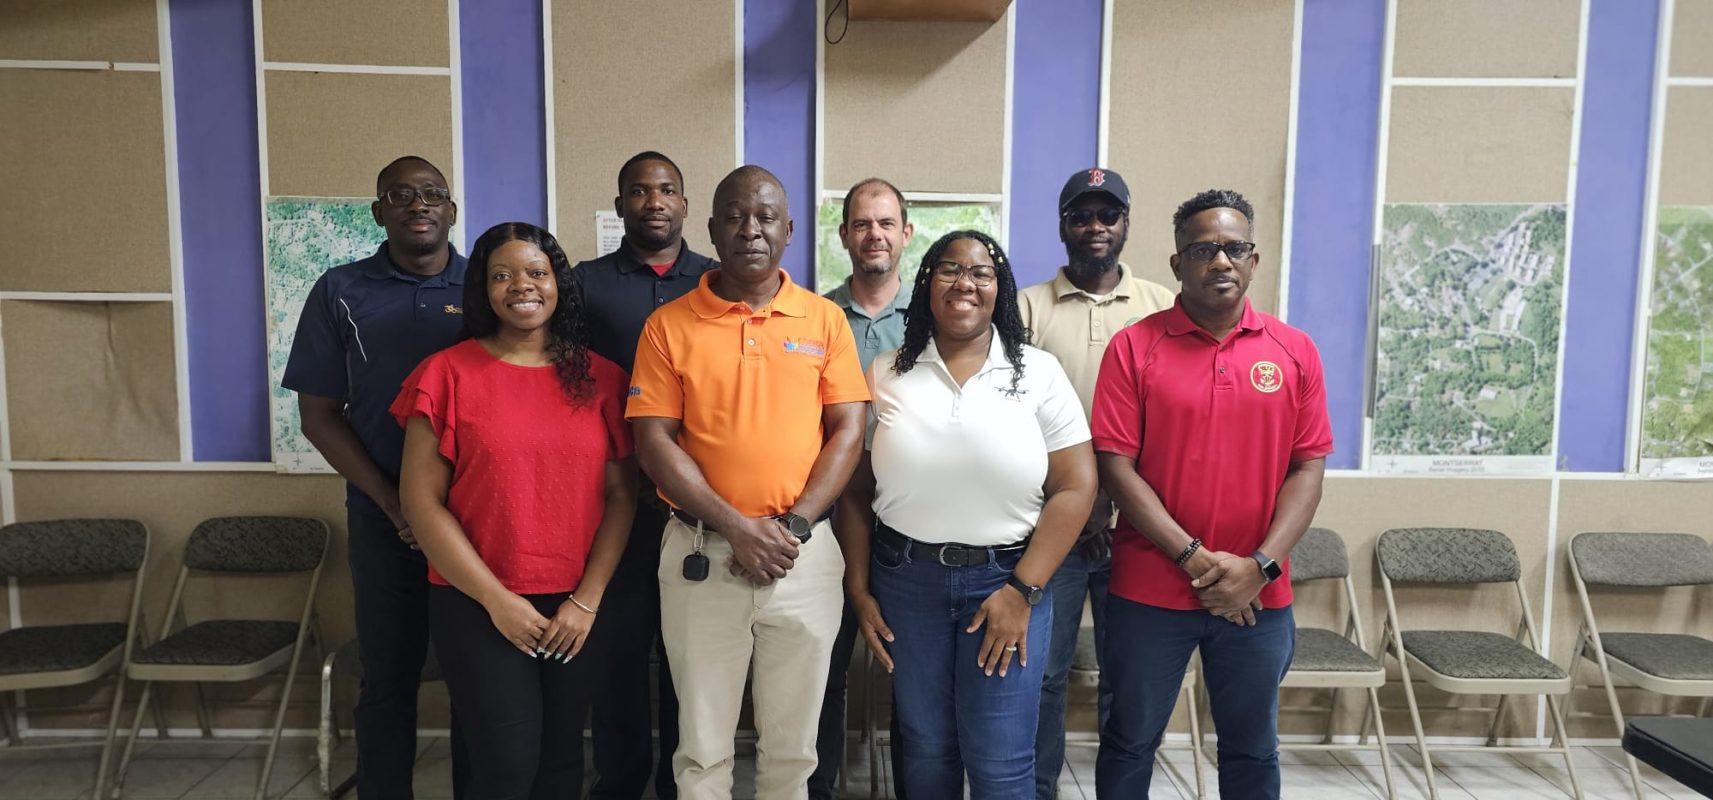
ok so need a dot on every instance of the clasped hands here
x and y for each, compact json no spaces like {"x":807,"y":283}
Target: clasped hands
{"x":763,"y":550}
{"x":1227,"y":584}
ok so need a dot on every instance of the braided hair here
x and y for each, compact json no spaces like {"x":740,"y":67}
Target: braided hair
{"x":568,"y":329}
{"x":919,"y":320}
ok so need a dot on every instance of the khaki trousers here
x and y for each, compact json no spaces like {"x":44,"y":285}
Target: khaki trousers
{"x":717,"y":630}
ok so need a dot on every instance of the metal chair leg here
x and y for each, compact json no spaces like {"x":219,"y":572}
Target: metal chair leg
{"x":1380,"y":739}
{"x":1562,"y":738}
{"x":112,"y":733}
{"x":131,"y":743}
{"x":1416,"y":721}
{"x":1195,"y":738}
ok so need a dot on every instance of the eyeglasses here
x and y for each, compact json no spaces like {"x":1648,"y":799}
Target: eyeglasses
{"x":432,"y":196}
{"x":949,"y":272}
{"x":1206,"y":251}
{"x":1108,"y":216}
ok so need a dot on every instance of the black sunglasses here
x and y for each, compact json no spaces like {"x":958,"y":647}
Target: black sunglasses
{"x":1108,"y":216}
{"x":1208,"y":251}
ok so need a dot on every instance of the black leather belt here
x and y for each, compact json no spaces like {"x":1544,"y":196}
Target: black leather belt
{"x":690,"y":519}
{"x":950,"y":555}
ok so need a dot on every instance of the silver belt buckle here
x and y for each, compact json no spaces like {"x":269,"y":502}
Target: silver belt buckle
{"x":942,"y":556}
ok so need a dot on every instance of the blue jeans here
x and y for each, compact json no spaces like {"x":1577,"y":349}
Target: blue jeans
{"x":1077,"y":578}
{"x":953,"y":717}
{"x":1146,"y":654}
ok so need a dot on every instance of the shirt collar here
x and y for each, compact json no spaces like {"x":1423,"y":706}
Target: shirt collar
{"x":1179,"y":323}
{"x":380,"y":265}
{"x":792,"y":300}
{"x":628,"y":261}
{"x":841,"y":295}
{"x":995,"y":354}
{"x":1063,"y":288}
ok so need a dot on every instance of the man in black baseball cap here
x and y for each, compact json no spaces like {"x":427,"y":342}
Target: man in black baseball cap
{"x":1073,"y":316}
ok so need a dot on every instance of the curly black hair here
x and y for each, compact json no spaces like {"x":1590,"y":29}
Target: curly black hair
{"x":568,"y":330}
{"x":1212,"y":198}
{"x":919,"y":320}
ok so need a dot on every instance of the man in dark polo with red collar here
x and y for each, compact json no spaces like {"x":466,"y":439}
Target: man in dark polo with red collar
{"x":1211,"y":432}
{"x":651,"y":267}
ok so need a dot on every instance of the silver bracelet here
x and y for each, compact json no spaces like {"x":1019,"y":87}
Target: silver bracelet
{"x":579,"y":604}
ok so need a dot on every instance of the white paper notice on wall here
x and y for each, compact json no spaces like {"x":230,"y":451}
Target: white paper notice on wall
{"x":609,"y":231}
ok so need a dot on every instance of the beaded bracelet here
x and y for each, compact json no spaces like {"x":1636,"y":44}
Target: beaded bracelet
{"x":1184,"y":557}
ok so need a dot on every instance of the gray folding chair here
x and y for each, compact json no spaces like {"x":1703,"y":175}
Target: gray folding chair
{"x":70,"y":654}
{"x":1332,"y":659}
{"x":230,"y":650}
{"x":1468,"y":662}
{"x":1671,"y":664}
{"x":347,"y":661}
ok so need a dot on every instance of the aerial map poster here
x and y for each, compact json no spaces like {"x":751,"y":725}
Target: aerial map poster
{"x":1677,"y":388}
{"x":1467,"y":352}
{"x":931,"y":221}
{"x":304,"y":237}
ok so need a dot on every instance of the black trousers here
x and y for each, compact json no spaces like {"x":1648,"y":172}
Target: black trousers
{"x":522,"y":715}
{"x":620,"y":723}
{"x":830,"y":739}
{"x":389,"y":583}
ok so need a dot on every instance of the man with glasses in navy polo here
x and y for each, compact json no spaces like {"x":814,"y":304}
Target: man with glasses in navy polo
{"x":365,"y":326}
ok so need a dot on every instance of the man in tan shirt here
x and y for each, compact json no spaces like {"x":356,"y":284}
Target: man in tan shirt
{"x":1073,"y":316}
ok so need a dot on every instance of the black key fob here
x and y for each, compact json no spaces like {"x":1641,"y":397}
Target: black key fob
{"x":695,"y":567}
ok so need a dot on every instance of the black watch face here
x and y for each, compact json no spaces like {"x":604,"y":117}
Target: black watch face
{"x":798,"y":526}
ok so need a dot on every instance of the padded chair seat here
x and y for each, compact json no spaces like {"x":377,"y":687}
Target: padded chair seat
{"x":56,"y":648}
{"x":1673,"y":656}
{"x":224,"y":642}
{"x":1322,"y":650}
{"x":1478,"y":655}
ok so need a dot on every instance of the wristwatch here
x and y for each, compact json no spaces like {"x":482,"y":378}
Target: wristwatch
{"x":1270,"y":569}
{"x":1033,"y":595}
{"x":798,"y":526}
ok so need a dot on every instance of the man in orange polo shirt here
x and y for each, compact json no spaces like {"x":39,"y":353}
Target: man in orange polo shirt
{"x":747,"y":401}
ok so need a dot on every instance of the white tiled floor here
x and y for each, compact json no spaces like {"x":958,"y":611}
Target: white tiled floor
{"x":223,"y":771}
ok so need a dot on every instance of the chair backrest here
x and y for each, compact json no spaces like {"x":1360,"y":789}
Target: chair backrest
{"x":257,"y":544}
{"x":1447,"y":555}
{"x":1319,"y":554}
{"x":1642,"y":559}
{"x":64,"y":548}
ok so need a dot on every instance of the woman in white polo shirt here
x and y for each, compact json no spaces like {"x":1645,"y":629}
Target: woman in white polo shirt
{"x":978,"y":478}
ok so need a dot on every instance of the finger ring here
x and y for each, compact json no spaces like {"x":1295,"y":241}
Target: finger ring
{"x":1011,"y":648}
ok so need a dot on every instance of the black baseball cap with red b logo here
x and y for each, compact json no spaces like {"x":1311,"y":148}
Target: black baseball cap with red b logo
{"x":1094,"y":179}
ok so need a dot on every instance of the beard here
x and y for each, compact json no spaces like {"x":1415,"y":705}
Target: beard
{"x":1082,"y":264}
{"x":652,"y":239}
{"x":881,"y":267}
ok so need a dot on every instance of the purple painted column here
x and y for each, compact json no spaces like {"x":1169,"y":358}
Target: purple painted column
{"x":1338,"y":129}
{"x":505,"y":139}
{"x":214,"y":91}
{"x":1611,"y":187}
{"x":1055,"y":116}
{"x":779,"y":111}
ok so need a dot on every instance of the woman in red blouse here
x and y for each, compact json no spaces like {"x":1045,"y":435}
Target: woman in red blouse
{"x":520,"y":484}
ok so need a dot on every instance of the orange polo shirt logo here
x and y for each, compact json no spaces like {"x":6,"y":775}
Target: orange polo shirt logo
{"x":807,"y":347}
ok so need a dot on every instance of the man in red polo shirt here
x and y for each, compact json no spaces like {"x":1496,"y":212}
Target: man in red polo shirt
{"x":1211,"y":432}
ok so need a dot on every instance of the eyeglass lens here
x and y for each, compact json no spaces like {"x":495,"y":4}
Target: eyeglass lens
{"x":1108,"y":216}
{"x":432,"y":196}
{"x":949,"y":272}
{"x":1206,"y":251}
